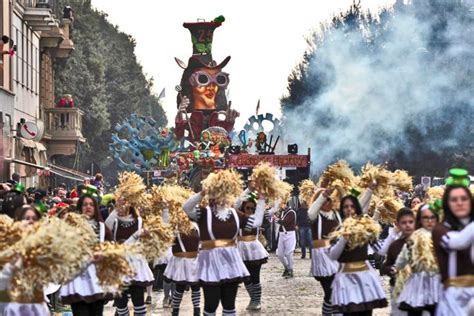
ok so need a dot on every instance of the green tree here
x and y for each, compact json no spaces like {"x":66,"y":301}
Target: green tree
{"x":106,"y":80}
{"x":395,"y":87}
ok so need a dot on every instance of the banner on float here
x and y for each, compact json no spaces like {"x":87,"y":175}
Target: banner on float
{"x":250,"y":161}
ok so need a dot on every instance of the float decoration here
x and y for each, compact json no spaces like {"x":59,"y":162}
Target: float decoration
{"x":203,"y":138}
{"x":139,"y":145}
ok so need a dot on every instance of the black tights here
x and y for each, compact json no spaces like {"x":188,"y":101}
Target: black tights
{"x":224,"y":293}
{"x":88,"y":309}
{"x":362,"y":313}
{"x":138,"y":299}
{"x":326,"y":283}
{"x":179,"y":292}
{"x":254,"y":270}
{"x":182,"y":287}
{"x":430,"y":310}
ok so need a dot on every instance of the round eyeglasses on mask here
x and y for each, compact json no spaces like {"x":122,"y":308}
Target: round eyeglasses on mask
{"x":202,"y":79}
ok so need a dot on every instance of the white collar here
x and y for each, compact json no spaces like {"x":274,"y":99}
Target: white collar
{"x":331,"y":215}
{"x":222,"y":213}
{"x":126,"y":218}
{"x":465,"y":221}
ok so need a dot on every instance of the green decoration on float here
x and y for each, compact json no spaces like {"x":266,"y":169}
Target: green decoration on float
{"x":219,"y":19}
{"x":148,"y":154}
{"x":165,"y":157}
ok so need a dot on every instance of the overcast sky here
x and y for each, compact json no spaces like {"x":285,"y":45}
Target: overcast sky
{"x":266,"y":39}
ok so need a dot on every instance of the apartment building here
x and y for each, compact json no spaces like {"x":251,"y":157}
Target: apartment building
{"x":33,"y":130}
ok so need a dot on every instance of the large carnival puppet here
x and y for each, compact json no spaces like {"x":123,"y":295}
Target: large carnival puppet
{"x":201,"y":99}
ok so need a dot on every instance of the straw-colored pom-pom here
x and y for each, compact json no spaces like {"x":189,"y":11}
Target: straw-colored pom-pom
{"x":371,"y":173}
{"x":223,"y":187}
{"x":402,"y":180}
{"x":307,"y":189}
{"x":434,"y":193}
{"x":338,"y":171}
{"x":157,"y":239}
{"x":131,"y":189}
{"x":51,"y":251}
{"x":389,"y":209}
{"x":113,"y":268}
{"x":172,"y":197}
{"x":358,"y":231}
{"x":421,"y":251}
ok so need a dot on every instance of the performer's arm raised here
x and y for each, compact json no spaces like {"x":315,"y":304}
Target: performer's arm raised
{"x":190,"y":206}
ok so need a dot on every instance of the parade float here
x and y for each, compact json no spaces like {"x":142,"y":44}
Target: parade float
{"x":203,"y":138}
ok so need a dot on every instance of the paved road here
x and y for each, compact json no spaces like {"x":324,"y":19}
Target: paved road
{"x":301,"y":295}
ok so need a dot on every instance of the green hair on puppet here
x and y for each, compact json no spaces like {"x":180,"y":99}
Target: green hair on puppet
{"x":219,"y":19}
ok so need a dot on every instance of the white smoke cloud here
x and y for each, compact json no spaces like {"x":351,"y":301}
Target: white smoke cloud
{"x":373,"y":97}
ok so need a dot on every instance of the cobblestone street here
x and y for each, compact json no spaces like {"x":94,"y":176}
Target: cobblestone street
{"x":301,"y":295}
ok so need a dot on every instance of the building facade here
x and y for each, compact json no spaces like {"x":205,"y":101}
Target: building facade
{"x":27,"y":91}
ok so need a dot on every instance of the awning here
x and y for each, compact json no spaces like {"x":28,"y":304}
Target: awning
{"x":66,"y":175}
{"x":26,"y":163}
{"x":31,"y":152}
{"x":57,"y":170}
{"x":67,"y":172}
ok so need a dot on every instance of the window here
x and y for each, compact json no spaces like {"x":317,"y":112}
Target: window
{"x":36,"y":70}
{"x":35,"y":73}
{"x":7,"y":127}
{"x":26,"y":67}
{"x":23,"y":55}
{"x":28,"y":58}
{"x":17,"y":59}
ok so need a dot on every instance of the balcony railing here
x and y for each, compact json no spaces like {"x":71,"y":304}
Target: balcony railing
{"x":38,"y":3}
{"x":63,"y":124}
{"x":39,"y":15}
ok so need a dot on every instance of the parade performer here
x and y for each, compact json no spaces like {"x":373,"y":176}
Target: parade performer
{"x":392,"y":246}
{"x":286,"y":239}
{"x":356,"y":287}
{"x":324,"y":221}
{"x":252,"y":251}
{"x":455,"y":261}
{"x":423,"y":287}
{"x":220,"y":266}
{"x":161,"y":264}
{"x":182,"y":269}
{"x":127,"y":227}
{"x":31,"y":264}
{"x":84,"y":293}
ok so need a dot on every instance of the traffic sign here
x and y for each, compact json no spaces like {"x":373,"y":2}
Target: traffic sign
{"x":29,"y":130}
